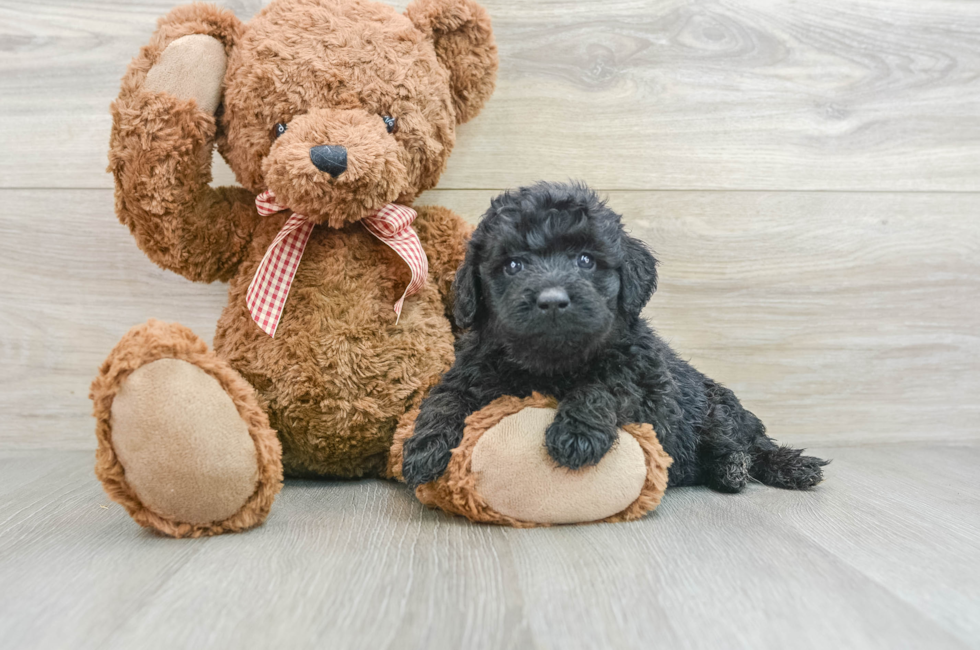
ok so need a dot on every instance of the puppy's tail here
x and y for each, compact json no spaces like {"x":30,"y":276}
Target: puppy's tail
{"x":779,"y":466}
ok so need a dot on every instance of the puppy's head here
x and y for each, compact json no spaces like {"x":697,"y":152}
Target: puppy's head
{"x":551,"y":275}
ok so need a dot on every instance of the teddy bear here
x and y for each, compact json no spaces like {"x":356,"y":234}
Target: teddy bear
{"x":332,"y":112}
{"x":334,"y":116}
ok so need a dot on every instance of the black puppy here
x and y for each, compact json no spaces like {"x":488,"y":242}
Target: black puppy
{"x":551,"y":291}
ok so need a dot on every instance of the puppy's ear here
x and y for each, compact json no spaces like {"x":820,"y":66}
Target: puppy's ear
{"x":466,"y":291}
{"x":638,"y":276}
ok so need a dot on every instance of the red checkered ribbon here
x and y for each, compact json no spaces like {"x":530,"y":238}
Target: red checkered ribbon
{"x":266,"y":296}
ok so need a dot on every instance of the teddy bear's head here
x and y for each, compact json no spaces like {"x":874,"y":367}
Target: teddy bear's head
{"x":342,"y":106}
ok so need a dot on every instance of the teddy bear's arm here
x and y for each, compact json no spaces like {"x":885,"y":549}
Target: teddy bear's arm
{"x":163,"y":134}
{"x":444,"y":235}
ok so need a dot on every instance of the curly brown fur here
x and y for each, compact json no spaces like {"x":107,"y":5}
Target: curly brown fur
{"x":552,"y":289}
{"x":340,"y":372}
{"x":356,"y":61}
{"x":153,"y":341}
{"x":464,"y":45}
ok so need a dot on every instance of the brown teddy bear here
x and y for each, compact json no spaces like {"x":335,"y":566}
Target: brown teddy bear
{"x":334,"y":115}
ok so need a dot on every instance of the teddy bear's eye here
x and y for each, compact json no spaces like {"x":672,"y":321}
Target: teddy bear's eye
{"x":278,"y":129}
{"x":390,"y":123}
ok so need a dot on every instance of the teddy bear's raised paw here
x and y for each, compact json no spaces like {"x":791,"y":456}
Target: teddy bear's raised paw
{"x":192,"y":67}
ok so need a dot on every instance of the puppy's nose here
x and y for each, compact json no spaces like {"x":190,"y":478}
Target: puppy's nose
{"x":330,"y":158}
{"x":553,"y":299}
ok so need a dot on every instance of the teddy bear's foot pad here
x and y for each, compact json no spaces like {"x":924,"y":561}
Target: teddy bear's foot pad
{"x":501,"y":472}
{"x":187,"y":452}
{"x":517,"y":477}
{"x":183,"y":443}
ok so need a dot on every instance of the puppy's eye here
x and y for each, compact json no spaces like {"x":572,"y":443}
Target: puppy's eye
{"x":390,"y":123}
{"x":513,"y":267}
{"x":278,"y":129}
{"x":585,"y":261}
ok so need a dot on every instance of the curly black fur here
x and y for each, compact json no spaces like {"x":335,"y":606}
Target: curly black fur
{"x":584,"y":343}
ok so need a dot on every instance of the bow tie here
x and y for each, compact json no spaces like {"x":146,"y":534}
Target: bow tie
{"x":266,"y":295}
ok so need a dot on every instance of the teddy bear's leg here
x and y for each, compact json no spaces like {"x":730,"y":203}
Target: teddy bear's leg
{"x":184,"y":444}
{"x":502,"y":473}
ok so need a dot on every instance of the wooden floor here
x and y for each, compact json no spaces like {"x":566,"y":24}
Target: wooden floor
{"x":885,"y":554}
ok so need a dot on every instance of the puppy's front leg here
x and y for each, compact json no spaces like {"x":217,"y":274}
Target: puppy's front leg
{"x":584,"y":428}
{"x":438,"y":430}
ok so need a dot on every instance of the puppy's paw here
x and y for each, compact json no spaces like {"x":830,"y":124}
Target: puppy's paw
{"x":425,"y":458}
{"x":728,"y":473}
{"x":788,"y":468}
{"x":573,"y":445}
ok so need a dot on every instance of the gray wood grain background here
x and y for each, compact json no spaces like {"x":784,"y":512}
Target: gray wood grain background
{"x":809,"y":174}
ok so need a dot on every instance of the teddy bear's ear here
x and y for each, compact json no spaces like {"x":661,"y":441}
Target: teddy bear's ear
{"x":464,"y":44}
{"x":187,"y":55}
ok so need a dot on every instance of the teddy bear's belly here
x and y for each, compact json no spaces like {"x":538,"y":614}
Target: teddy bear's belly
{"x":340,"y":371}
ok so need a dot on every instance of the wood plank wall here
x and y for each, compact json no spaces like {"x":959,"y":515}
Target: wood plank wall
{"x":808,"y":173}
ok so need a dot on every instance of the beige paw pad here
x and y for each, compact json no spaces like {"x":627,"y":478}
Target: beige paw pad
{"x":517,"y":477}
{"x":501,"y":472}
{"x":192,"y":67}
{"x":186,"y":451}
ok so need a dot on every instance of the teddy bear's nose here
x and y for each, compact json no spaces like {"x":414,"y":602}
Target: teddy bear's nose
{"x":330,"y":158}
